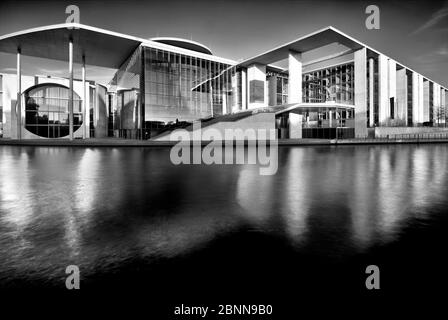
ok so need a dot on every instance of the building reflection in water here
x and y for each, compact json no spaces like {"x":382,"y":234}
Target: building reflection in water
{"x":100,"y":208}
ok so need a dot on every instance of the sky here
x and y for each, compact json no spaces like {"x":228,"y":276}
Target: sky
{"x":415,"y":33}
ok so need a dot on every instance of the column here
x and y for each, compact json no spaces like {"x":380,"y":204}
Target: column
{"x":84,"y":101}
{"x":361,"y":93}
{"x":256,"y":78}
{"x":295,"y":77}
{"x":402,"y":96}
{"x":19,"y":95}
{"x":421,"y":104}
{"x":70,"y":92}
{"x":426,"y":101}
{"x":392,"y":87}
{"x":415,"y":98}
{"x":236,"y":102}
{"x":383,"y":84}
{"x":372,"y":92}
{"x":224,"y":102}
{"x":443,"y":106}
{"x":436,"y":103}
{"x":272,"y":95}
{"x":142,"y":124}
{"x":295,"y":126}
{"x":244,"y":95}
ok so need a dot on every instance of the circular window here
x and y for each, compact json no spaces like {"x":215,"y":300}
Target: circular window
{"x":46,"y":110}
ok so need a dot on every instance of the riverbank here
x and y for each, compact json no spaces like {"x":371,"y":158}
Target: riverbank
{"x":114,"y":142}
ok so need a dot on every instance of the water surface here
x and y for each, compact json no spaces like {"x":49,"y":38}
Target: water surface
{"x":130,"y":219}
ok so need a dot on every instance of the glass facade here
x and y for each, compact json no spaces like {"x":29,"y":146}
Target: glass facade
{"x":330,"y":84}
{"x":46,"y":111}
{"x":167,"y":87}
{"x":281,"y":95}
{"x":185,"y":88}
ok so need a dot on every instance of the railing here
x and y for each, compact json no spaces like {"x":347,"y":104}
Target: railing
{"x":415,"y":136}
{"x":406,"y":136}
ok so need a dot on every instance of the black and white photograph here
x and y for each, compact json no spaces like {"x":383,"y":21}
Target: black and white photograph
{"x":223,"y":159}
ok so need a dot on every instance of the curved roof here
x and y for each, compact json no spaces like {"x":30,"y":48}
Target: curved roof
{"x":184,"y":43}
{"x":101,"y":47}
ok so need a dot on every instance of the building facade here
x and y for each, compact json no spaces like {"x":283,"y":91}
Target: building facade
{"x":323,"y":85}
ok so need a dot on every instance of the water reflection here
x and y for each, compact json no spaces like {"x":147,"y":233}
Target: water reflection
{"x":99,"y":208}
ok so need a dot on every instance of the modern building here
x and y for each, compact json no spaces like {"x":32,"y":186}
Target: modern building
{"x":323,"y":85}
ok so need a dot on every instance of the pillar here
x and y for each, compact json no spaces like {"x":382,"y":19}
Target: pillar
{"x":295,"y":126}
{"x":295,"y":77}
{"x":272,"y":99}
{"x":421,"y":104}
{"x":426,"y":101}
{"x":256,"y":78}
{"x":402,"y":96}
{"x":19,"y":95}
{"x":415,"y":98}
{"x":443,"y":105}
{"x":383,"y":85}
{"x":372,"y":92}
{"x":392,"y":87}
{"x":142,"y":113}
{"x":236,"y":98}
{"x":244,"y":95}
{"x":85,"y":107}
{"x":361,"y":93}
{"x":70,"y":92}
{"x":436,"y":103}
{"x":224,"y":102}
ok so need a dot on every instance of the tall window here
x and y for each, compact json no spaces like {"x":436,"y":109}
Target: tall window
{"x":330,"y":84}
{"x":392,"y":107}
{"x":410,"y":96}
{"x":184,"y":88}
{"x":282,"y":90}
{"x":46,"y":111}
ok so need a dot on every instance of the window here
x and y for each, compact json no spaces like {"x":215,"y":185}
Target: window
{"x":331,"y":84}
{"x":392,"y":107}
{"x":46,"y":111}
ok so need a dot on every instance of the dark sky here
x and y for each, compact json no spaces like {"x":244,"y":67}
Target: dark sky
{"x":414,"y":33}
